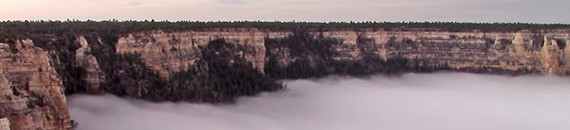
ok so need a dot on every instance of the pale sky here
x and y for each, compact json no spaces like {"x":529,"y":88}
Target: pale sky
{"x":534,"y":11}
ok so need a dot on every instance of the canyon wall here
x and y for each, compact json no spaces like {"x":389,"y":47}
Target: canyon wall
{"x":31,"y":93}
{"x":172,"y":52}
{"x":543,"y":51}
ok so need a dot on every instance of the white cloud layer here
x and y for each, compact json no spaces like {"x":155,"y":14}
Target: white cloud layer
{"x":538,"y":11}
{"x":413,"y":102}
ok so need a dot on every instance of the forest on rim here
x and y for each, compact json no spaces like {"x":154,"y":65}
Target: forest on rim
{"x":21,"y":28}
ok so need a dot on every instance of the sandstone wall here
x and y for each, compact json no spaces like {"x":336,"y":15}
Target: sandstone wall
{"x":171,"y":52}
{"x":168,"y":52}
{"x":31,"y":93}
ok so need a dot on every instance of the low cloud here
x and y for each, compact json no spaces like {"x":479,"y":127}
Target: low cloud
{"x":446,"y":101}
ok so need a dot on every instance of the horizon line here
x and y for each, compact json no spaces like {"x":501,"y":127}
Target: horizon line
{"x":275,"y":21}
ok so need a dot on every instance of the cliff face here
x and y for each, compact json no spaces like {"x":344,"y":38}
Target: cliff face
{"x":545,"y":51}
{"x":510,"y":51}
{"x":31,"y":93}
{"x":94,"y":76}
{"x":172,"y":52}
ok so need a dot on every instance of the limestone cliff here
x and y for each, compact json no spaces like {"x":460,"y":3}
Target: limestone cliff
{"x":31,"y":93}
{"x":172,"y":52}
{"x":543,"y":51}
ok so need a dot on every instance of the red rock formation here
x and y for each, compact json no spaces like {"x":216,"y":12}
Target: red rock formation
{"x":31,"y":93}
{"x":501,"y":50}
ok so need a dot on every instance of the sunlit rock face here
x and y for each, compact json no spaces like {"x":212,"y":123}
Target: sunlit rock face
{"x":168,"y":52}
{"x":31,"y":93}
{"x":542,"y":51}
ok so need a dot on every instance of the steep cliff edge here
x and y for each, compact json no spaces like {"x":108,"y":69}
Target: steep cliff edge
{"x":173,"y":52}
{"x":543,"y":51}
{"x":31,"y":92}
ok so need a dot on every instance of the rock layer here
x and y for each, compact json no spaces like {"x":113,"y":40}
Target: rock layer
{"x":31,"y":92}
{"x":84,"y":59}
{"x":168,"y":52}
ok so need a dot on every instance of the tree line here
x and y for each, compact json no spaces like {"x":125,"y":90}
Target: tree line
{"x":24,"y":28}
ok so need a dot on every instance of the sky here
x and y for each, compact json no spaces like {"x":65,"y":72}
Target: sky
{"x":439,"y":101}
{"x":528,"y":11}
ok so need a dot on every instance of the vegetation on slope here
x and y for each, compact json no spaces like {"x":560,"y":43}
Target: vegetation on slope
{"x":312,"y":57}
{"x":220,"y":75}
{"x":24,"y":28}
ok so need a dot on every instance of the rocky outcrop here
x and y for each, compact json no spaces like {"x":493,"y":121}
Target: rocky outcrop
{"x":172,"y":52}
{"x":168,"y":52}
{"x":84,"y":59}
{"x":31,"y":93}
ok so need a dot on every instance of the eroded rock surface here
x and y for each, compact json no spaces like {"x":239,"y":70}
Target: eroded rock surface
{"x":31,"y":93}
{"x":168,"y":52}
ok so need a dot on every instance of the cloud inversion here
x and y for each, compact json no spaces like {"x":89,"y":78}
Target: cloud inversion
{"x":415,"y":101}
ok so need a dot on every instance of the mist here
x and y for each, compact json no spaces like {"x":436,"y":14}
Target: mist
{"x":441,"y":101}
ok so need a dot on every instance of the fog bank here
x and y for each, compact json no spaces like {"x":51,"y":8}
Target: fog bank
{"x":445,"y":101}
